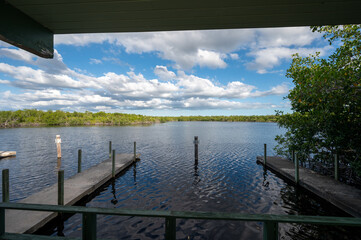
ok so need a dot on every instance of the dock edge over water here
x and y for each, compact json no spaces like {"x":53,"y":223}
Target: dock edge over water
{"x":343,"y":196}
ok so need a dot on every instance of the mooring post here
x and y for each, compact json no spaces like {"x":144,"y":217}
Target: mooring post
{"x":79,"y":161}
{"x":110,"y":149}
{"x":336,"y":163}
{"x":135,"y":151}
{"x":296,"y":169}
{"x":196,"y":142}
{"x":58,"y":145}
{"x":265,"y":154}
{"x":61,"y":187}
{"x":113,"y":164}
{"x":5,"y":185}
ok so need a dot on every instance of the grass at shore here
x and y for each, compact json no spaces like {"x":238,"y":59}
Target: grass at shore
{"x":33,"y":118}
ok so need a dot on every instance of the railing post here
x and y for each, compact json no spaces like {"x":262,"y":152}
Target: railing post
{"x":336,"y":163}
{"x":270,"y":230}
{"x":170,"y":228}
{"x":5,"y":185}
{"x":61,"y":187}
{"x":135,"y":151}
{"x":297,"y":177}
{"x":113,"y":164}
{"x":110,"y":149}
{"x":265,"y":154}
{"x":2,"y":221}
{"x":79,"y":161}
{"x":89,"y":229}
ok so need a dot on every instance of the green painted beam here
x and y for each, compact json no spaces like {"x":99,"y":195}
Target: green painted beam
{"x":20,"y":30}
{"x":322,"y":220}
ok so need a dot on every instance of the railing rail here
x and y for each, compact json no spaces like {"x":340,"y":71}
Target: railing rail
{"x":89,"y":218}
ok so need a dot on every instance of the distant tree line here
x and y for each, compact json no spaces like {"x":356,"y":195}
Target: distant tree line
{"x":33,"y":118}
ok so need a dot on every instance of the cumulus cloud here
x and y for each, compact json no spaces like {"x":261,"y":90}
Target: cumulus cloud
{"x":209,"y":48}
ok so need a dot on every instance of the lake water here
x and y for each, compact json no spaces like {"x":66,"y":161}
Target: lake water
{"x":226,"y":178}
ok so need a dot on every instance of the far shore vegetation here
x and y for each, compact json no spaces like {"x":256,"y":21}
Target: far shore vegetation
{"x":39,"y":118}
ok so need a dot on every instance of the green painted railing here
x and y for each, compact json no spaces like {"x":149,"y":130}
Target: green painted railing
{"x":270,"y":222}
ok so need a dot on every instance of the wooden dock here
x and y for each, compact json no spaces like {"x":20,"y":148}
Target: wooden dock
{"x":343,"y":196}
{"x":75,"y":188}
{"x":4,"y":154}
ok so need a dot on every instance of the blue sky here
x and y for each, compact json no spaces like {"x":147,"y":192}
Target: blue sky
{"x":218,"y":72}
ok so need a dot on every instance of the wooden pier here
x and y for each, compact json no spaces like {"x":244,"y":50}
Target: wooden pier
{"x":75,"y":188}
{"x":4,"y":154}
{"x":343,"y":196}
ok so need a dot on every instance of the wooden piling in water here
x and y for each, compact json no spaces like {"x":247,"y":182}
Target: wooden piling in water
{"x":196,"y":142}
{"x":58,"y":145}
{"x":297,"y":177}
{"x":79,"y":161}
{"x":113,"y":164}
{"x":265,"y":154}
{"x":5,"y":185}
{"x":61,"y":187}
{"x":336,"y":163}
{"x":110,"y":149}
{"x":135,"y":151}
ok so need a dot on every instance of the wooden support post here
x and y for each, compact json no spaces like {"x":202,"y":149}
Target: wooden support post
{"x":61,"y":187}
{"x":5,"y":185}
{"x":265,"y":155}
{"x":297,"y":178}
{"x":293,"y":155}
{"x":196,"y":142}
{"x":58,"y":145}
{"x":170,"y":228}
{"x":110,"y":149}
{"x":2,"y":221}
{"x":135,"y":151}
{"x":89,"y":229}
{"x":113,"y":164}
{"x":270,"y":230}
{"x":336,"y":163}
{"x":79,"y":161}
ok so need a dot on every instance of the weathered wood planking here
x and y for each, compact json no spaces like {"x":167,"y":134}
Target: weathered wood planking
{"x":343,"y":196}
{"x":75,"y":188}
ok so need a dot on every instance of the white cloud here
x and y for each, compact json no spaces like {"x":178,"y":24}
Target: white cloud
{"x":210,"y":48}
{"x":95,"y":61}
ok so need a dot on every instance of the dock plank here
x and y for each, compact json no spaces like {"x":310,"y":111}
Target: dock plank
{"x":75,"y":188}
{"x":341,"y":195}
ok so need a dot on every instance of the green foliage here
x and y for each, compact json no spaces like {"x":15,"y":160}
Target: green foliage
{"x":33,"y":117}
{"x":326,"y":99}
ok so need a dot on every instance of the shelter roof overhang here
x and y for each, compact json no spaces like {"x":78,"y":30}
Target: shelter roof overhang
{"x":30,"y":24}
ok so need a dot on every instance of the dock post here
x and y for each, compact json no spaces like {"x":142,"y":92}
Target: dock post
{"x":61,"y":187}
{"x":5,"y":183}
{"x":297,"y":178}
{"x":58,"y":145}
{"x":293,"y":155}
{"x":196,"y":141}
{"x":79,"y":161}
{"x":135,"y":151}
{"x":336,"y":163}
{"x":113,"y":164}
{"x":265,"y":154}
{"x":110,"y":149}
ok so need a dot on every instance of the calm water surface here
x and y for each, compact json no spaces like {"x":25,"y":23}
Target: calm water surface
{"x":226,"y":178}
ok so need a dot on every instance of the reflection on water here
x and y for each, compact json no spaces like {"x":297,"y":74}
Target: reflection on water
{"x":225,"y":178}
